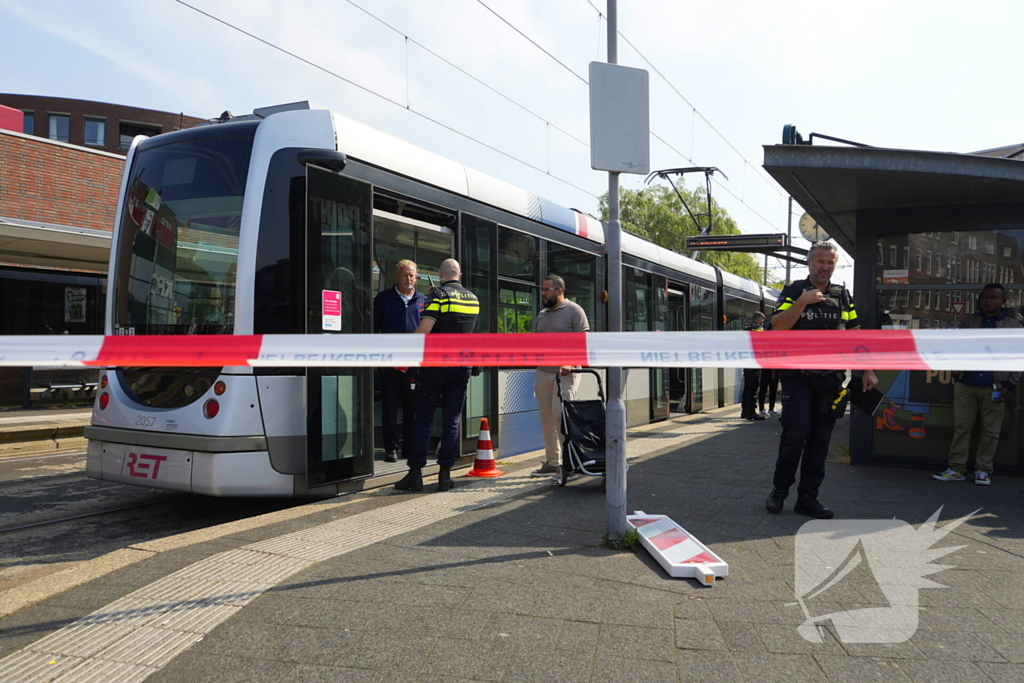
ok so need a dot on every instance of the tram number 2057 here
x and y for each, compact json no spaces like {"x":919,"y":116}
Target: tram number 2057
{"x":145,"y":420}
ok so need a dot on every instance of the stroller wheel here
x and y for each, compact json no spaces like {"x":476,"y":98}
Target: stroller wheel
{"x":561,"y":476}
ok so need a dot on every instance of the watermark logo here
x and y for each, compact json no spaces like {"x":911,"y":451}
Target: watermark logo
{"x":888,"y":553}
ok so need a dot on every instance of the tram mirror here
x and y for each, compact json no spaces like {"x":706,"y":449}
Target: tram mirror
{"x":324,"y":158}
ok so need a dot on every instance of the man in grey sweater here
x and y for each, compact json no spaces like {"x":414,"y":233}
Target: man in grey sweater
{"x":558,"y":315}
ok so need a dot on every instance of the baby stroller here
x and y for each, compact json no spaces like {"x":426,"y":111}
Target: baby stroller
{"x":583,"y":427}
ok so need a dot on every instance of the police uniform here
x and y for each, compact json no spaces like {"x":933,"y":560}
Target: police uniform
{"x":454,"y":310}
{"x":807,"y":397}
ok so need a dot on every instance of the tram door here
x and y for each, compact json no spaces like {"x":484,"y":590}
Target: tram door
{"x":679,"y":378}
{"x":339,"y":437}
{"x":397,"y":237}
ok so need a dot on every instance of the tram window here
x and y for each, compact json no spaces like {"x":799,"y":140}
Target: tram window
{"x":579,"y":270}
{"x":738,"y":312}
{"x":702,"y":309}
{"x":479,"y":259}
{"x":517,"y":255}
{"x":638,"y":300}
{"x":178,"y":249}
{"x":517,"y":306}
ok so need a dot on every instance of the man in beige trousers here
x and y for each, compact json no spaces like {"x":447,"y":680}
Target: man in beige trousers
{"x":558,"y":315}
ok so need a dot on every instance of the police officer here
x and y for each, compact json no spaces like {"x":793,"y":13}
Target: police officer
{"x":807,"y":395}
{"x":450,"y":309}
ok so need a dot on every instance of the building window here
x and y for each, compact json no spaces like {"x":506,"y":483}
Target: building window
{"x":28,"y":126}
{"x":128,"y":131}
{"x":892,"y":254}
{"x":919,"y":252}
{"x":60,"y":127}
{"x":990,"y":248}
{"x":954,"y":237}
{"x":1006,"y":252}
{"x":928,"y":299}
{"x":906,"y":257}
{"x":972,"y":241}
{"x":928,"y":262}
{"x":917,"y":299}
{"x":95,"y":132}
{"x":879,"y":258}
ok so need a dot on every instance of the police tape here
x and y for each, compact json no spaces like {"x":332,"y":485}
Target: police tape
{"x":982,"y":350}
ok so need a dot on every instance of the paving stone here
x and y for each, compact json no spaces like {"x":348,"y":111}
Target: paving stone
{"x":740,"y":637}
{"x":577,"y":636}
{"x":778,"y":668}
{"x":693,"y":634}
{"x":619,"y":670}
{"x":635,"y":613}
{"x":545,"y":667}
{"x":862,"y":669}
{"x":637,"y":643}
{"x":1009,"y":646}
{"x":707,"y":666}
{"x":200,"y":667}
{"x":469,"y":659}
{"x":277,"y":642}
{"x":955,"y":645}
{"x":448,"y":623}
{"x":929,"y":671}
{"x":1002,"y":673}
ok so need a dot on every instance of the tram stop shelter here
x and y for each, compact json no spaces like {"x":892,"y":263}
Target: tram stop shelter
{"x":927,"y":231}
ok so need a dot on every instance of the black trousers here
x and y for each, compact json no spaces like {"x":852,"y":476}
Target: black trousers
{"x":769,"y":385}
{"x":806,"y":430}
{"x":751,"y":379}
{"x":396,"y":392}
{"x":444,"y":388}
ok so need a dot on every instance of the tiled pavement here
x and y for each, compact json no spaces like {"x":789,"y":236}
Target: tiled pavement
{"x":520,"y":589}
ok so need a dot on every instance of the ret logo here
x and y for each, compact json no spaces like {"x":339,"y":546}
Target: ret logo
{"x":888,"y":555}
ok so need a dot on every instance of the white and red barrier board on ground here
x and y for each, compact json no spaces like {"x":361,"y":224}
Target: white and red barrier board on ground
{"x":676,"y":550}
{"x":982,"y":350}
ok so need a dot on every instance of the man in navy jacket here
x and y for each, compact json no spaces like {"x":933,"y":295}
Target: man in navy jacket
{"x":397,"y":311}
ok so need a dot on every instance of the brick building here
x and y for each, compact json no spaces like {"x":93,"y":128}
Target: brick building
{"x":58,"y":199}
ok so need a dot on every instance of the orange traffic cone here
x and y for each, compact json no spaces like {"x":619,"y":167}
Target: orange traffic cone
{"x":484,"y":465}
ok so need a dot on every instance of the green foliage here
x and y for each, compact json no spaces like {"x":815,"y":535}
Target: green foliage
{"x":627,"y":541}
{"x":655,"y":213}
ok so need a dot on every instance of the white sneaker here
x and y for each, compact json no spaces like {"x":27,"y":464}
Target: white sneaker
{"x":982,"y":478}
{"x":949,"y":475}
{"x":765,"y":413}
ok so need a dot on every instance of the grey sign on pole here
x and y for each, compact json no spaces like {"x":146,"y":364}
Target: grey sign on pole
{"x":620,"y":138}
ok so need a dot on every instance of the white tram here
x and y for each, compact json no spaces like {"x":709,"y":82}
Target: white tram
{"x":241,"y":227}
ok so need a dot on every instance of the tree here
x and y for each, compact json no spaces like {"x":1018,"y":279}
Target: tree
{"x":655,"y":213}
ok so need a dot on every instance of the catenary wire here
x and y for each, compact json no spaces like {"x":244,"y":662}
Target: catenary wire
{"x":467,"y":74}
{"x":688,"y":103}
{"x":386,"y":98}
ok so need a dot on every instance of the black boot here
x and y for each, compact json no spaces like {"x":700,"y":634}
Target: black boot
{"x":444,"y":479}
{"x":775,"y":500}
{"x":805,"y":505}
{"x":413,"y":481}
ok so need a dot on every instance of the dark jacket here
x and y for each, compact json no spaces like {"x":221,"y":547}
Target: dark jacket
{"x":391,"y":315}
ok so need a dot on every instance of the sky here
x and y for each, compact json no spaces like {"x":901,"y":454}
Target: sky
{"x":725,"y":76}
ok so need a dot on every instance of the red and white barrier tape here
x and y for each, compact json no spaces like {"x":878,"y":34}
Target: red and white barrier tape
{"x":855,"y":349}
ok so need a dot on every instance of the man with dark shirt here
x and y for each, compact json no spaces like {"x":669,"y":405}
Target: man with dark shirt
{"x":807,"y":395}
{"x":397,"y":311}
{"x":752,"y":378}
{"x":980,"y":396}
{"x":450,"y":309}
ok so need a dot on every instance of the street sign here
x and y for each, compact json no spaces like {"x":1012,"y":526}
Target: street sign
{"x":958,"y":307}
{"x":620,"y":129}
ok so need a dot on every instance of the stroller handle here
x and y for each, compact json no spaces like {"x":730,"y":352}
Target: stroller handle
{"x":589,"y":371}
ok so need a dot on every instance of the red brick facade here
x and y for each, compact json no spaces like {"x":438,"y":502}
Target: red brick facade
{"x":56,"y":183}
{"x":111,"y":115}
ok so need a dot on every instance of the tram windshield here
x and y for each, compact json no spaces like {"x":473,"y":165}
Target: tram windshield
{"x":177,"y":253}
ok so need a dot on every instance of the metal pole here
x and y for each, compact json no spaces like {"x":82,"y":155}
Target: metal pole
{"x":789,"y":232}
{"x":615,"y":416}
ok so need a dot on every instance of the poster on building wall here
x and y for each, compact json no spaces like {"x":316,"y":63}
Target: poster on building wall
{"x":74,"y":304}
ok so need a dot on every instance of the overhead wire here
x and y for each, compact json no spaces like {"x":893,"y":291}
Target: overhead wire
{"x":466,"y":73}
{"x":385,"y":98}
{"x":688,"y":103}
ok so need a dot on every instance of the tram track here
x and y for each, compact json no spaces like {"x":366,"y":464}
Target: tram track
{"x":97,"y":513}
